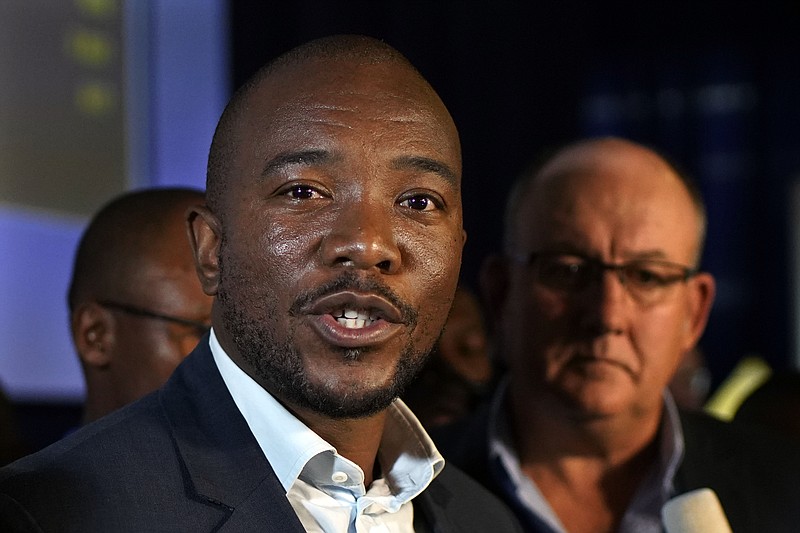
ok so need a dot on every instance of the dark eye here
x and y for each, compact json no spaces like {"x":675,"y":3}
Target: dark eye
{"x":565,"y":272}
{"x":420,"y":202}
{"x":646,"y":276}
{"x":303,"y":192}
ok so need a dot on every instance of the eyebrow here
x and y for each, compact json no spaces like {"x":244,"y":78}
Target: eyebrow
{"x":426,"y":164}
{"x":299,"y":157}
{"x":647,"y":255}
{"x":317,"y":156}
{"x":570,"y":248}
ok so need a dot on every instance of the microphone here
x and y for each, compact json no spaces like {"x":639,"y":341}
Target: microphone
{"x":697,"y":511}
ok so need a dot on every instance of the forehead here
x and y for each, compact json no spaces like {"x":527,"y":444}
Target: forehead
{"x":615,"y":201}
{"x":325,"y":100}
{"x":167,"y":283}
{"x":159,"y":259}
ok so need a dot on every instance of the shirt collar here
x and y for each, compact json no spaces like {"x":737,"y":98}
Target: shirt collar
{"x":672,"y":443}
{"x":507,"y":471}
{"x":287,"y":443}
{"x":407,"y":454}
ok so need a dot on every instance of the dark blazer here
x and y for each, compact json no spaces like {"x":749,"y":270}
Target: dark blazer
{"x":755,"y":475}
{"x":184,"y":459}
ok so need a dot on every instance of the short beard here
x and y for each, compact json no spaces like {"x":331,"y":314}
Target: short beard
{"x":279,"y":368}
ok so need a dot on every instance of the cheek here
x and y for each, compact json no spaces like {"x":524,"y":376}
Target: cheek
{"x":149,"y":353}
{"x":165,"y":361}
{"x":291,"y":247}
{"x":537,"y":327}
{"x":266,"y":259}
{"x":184,"y":345}
{"x":431,"y":278}
{"x":536,"y":310}
{"x":661,"y":337}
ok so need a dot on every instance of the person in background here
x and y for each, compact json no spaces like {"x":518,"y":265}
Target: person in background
{"x":136,"y":305}
{"x":596,"y":299}
{"x":331,"y":240}
{"x":459,"y":372}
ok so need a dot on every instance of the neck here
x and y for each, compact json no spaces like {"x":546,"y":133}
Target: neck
{"x":101,"y":399}
{"x":357,"y":439}
{"x":588,"y":468}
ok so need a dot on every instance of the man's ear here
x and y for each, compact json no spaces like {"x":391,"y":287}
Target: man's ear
{"x":93,"y":334}
{"x":205,"y":238}
{"x":494,"y":287}
{"x":701,"y":299}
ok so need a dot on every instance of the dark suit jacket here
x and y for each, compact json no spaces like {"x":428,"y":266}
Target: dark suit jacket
{"x":184,"y":459}
{"x":755,"y":475}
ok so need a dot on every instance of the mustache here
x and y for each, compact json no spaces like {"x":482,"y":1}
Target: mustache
{"x":350,"y":281}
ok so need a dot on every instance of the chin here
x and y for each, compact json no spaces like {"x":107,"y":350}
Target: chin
{"x":341,"y":403}
{"x":595,"y":400}
{"x":355,"y":390}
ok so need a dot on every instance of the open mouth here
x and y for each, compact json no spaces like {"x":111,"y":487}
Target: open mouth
{"x":354,"y":319}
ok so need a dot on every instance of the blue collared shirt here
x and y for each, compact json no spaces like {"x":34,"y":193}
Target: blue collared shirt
{"x":326,"y":489}
{"x":644,"y":513}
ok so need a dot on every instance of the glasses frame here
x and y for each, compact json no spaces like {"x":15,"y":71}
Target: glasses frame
{"x":617,"y":268}
{"x":146,"y":313}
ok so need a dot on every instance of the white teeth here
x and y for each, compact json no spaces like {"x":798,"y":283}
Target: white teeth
{"x":353,"y":319}
{"x":352,"y":323}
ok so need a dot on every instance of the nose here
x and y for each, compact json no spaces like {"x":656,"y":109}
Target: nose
{"x":606,"y":305}
{"x":362,"y":236}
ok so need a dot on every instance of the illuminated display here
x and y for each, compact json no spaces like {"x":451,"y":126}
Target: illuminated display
{"x":62,"y":127}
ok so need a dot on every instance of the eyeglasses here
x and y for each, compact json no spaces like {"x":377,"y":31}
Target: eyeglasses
{"x":201,"y":328}
{"x":647,"y":280}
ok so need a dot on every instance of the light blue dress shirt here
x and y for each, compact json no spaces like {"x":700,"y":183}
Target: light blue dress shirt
{"x":326,"y":489}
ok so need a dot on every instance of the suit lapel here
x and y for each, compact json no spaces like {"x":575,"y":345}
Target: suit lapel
{"x":223,"y":463}
{"x":429,"y":510}
{"x":263,"y":510}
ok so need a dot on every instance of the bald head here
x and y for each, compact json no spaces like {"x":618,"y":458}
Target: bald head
{"x":613,"y":161}
{"x":301,"y":71}
{"x":131,"y":230}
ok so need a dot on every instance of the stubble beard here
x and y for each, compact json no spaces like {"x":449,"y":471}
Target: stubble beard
{"x":278,"y":367}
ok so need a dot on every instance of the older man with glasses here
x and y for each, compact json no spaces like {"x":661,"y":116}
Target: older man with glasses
{"x":136,"y":305}
{"x":595,"y":300}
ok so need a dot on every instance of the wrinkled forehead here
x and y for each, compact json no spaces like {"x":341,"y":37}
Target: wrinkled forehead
{"x":388,"y":89}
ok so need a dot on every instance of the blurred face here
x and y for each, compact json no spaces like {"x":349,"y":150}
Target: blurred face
{"x":146,"y":350}
{"x":464,"y":344}
{"x":600,"y":351}
{"x":339,"y":241}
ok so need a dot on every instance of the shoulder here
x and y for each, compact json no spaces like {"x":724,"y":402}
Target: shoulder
{"x":455,"y":498}
{"x":705,"y":435}
{"x":103,"y":449}
{"x":113,"y":471}
{"x":465,"y":443}
{"x":755,"y":474}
